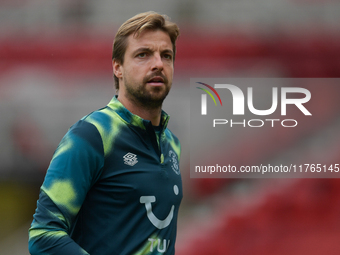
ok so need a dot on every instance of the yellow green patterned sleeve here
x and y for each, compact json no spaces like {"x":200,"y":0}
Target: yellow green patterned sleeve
{"x":75,"y":166}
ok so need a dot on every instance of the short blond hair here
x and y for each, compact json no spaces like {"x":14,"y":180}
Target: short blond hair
{"x":136,"y":25}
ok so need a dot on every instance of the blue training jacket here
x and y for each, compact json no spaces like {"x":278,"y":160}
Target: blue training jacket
{"x":113,"y":187}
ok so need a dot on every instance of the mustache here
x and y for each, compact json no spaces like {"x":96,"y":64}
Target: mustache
{"x":155,"y":74}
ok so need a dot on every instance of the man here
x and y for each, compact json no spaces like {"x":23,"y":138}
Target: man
{"x":113,"y":185}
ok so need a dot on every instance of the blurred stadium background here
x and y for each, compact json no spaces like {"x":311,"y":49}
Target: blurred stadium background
{"x":55,"y":67}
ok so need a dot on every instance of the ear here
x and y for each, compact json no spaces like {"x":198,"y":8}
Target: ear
{"x":117,"y":69}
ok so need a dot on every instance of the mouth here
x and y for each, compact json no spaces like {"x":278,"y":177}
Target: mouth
{"x":156,"y":81}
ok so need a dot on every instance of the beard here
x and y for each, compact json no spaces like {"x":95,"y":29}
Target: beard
{"x":150,"y":97}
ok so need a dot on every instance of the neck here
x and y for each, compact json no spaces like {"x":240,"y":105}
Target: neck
{"x":152,"y":114}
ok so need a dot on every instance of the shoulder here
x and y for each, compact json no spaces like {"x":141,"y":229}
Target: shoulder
{"x":107,"y":123}
{"x":85,"y":131}
{"x":171,"y":135}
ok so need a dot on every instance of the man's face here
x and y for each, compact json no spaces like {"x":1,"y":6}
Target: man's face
{"x":147,"y":72}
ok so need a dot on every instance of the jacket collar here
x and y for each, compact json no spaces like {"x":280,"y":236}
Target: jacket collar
{"x":133,"y":119}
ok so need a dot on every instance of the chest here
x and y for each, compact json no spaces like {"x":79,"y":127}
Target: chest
{"x":140,"y":166}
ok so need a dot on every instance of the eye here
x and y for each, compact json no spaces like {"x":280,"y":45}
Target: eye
{"x":141,"y":55}
{"x":168,"y":56}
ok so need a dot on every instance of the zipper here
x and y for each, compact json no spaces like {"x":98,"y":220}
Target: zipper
{"x":156,"y":141}
{"x":161,"y":158}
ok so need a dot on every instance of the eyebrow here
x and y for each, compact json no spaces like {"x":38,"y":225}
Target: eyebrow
{"x":146,"y":49}
{"x":168,"y":51}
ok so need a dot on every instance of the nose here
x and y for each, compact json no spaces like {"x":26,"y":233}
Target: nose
{"x":157,"y":63}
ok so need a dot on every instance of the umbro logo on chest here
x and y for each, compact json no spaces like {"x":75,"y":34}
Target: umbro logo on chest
{"x":130,"y":159}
